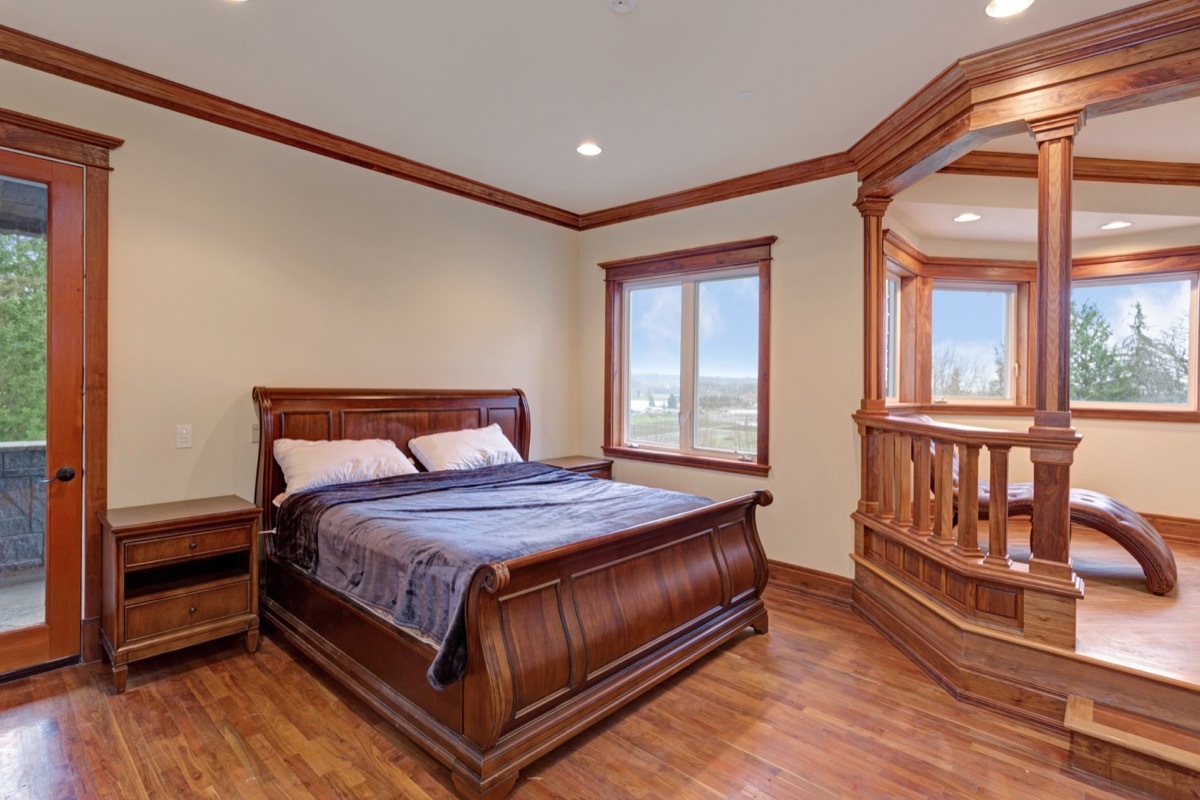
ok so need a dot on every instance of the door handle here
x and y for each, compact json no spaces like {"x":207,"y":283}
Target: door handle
{"x":64,"y":474}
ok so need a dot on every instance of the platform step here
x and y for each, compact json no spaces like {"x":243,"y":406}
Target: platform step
{"x":1138,"y":751}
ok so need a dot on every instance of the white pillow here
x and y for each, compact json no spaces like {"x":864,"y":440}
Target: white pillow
{"x":466,"y":449}
{"x":309,"y":464}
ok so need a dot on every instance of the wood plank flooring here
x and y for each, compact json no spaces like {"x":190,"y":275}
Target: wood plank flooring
{"x":821,"y":707}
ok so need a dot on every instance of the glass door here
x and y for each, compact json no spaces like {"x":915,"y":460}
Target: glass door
{"x":41,"y":410}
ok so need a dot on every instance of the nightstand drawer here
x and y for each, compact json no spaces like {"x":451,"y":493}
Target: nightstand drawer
{"x":174,"y":613}
{"x":173,"y":548}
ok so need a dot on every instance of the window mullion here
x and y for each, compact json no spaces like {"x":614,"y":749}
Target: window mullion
{"x":687,"y":369}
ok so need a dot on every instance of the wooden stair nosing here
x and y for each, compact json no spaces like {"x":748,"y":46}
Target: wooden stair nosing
{"x":1080,"y":718}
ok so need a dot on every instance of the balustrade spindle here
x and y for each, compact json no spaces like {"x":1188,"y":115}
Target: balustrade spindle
{"x":903,"y":479}
{"x":921,"y":481}
{"x":886,"y":473}
{"x":998,"y":509}
{"x":943,"y":492}
{"x":968,"y":501}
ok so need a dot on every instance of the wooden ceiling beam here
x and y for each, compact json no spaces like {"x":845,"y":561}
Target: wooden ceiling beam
{"x":1133,"y":58}
{"x":1107,"y":170}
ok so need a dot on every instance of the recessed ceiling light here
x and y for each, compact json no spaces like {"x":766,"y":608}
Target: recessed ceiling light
{"x":1115,"y":225}
{"x":588,"y":149}
{"x":746,"y":95}
{"x":622,"y":6}
{"x":1006,"y":8}
{"x":969,"y":216}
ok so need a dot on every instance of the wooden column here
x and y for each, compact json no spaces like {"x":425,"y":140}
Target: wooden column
{"x":874,"y":386}
{"x":1050,"y":536}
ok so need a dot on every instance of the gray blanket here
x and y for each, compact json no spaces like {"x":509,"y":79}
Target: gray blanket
{"x":408,"y":546}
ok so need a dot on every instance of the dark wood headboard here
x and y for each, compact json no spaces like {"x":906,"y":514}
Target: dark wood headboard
{"x":396,"y":414}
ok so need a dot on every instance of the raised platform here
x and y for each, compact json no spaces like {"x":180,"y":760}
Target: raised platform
{"x":1137,"y":657}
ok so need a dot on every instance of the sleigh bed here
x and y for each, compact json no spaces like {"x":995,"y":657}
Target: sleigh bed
{"x":555,"y":640}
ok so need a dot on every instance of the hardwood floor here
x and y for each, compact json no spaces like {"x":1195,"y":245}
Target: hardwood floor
{"x":821,"y":707}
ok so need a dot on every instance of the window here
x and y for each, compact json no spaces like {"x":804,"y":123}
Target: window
{"x":1133,"y":341}
{"x":687,"y":356}
{"x":891,"y":338}
{"x":972,"y":342}
{"x":964,"y":330}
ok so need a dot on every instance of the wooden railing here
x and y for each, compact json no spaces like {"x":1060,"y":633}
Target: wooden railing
{"x":919,"y":515}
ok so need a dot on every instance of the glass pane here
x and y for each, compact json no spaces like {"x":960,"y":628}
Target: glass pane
{"x":22,"y":403}
{"x":1130,"y":341}
{"x":970,"y":343}
{"x":727,"y":365}
{"x":652,"y":403}
{"x":890,"y":327}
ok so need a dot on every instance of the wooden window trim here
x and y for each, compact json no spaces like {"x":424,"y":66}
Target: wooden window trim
{"x":918,"y":272}
{"x":46,"y":139}
{"x":744,"y":253}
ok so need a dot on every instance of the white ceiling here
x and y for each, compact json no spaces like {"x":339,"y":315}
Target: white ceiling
{"x":502,"y":92}
{"x":1162,"y":216}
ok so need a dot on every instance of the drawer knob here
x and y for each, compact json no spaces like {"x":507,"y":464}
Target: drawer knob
{"x":192,"y":546}
{"x":192,"y":610}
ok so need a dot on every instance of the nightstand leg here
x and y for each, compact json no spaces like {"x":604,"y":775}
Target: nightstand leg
{"x":251,"y":640}
{"x":119,"y":675}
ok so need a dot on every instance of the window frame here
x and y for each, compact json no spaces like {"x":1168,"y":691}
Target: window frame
{"x":752,"y":256}
{"x":918,"y":273}
{"x":1191,"y":276}
{"x":1011,"y":338}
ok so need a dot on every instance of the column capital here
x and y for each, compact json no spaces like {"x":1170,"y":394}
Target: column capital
{"x":1064,"y":126}
{"x":872,"y":206}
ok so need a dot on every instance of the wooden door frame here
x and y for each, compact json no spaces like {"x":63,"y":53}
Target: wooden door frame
{"x":42,"y":138}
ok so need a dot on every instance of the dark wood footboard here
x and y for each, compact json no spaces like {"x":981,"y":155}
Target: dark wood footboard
{"x":561,"y":638}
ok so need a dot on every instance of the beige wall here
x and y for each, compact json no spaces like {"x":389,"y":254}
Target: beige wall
{"x":816,"y":358}
{"x":235,"y":262}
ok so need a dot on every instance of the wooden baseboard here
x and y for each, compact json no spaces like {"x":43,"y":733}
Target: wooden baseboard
{"x":814,"y":583}
{"x":1175,"y":529}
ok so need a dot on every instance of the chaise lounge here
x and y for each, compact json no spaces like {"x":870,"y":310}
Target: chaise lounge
{"x":1108,"y":516}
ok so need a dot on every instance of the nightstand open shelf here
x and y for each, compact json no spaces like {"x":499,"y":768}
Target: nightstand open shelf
{"x":177,"y":574}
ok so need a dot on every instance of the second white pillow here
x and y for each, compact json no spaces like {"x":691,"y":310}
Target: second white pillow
{"x":466,"y":449}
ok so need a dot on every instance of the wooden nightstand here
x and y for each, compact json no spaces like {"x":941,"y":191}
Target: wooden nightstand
{"x":177,"y":574}
{"x":588,"y":465}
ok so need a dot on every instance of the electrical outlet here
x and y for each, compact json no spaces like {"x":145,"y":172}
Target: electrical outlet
{"x":183,"y":436}
{"x":254,"y":433}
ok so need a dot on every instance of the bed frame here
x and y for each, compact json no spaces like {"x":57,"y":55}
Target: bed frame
{"x":556,"y":640}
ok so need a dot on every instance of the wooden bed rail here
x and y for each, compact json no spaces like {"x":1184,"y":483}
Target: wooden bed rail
{"x":918,"y":520}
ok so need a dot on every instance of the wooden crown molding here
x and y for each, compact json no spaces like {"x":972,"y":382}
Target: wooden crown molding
{"x":1129,"y":59}
{"x":41,"y":54}
{"x":814,"y":169}
{"x":1107,"y":170}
